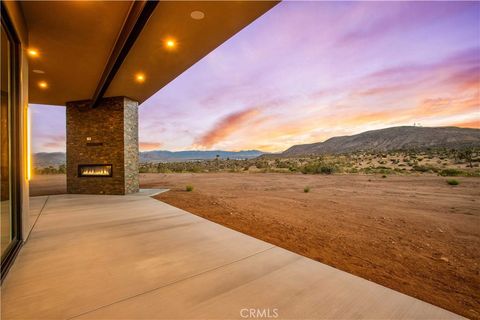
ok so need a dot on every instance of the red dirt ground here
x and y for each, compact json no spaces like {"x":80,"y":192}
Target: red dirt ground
{"x":414,"y":234}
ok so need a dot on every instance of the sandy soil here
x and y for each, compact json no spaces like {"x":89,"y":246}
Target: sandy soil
{"x":42,"y":185}
{"x":416,"y":235}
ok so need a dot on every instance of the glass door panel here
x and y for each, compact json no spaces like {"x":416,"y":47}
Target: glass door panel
{"x":6,"y":222}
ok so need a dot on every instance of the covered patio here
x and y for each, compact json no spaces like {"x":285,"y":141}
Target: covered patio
{"x":106,"y":250}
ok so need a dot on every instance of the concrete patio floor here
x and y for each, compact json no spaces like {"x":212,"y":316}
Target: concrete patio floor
{"x":130,"y":257}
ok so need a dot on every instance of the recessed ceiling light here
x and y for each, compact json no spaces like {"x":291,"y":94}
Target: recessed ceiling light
{"x":33,"y":53}
{"x":197,"y":15}
{"x":43,"y":84}
{"x":140,"y":77}
{"x":170,"y":43}
{"x":38,"y":71}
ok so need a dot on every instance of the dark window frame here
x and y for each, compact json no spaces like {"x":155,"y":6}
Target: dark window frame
{"x":11,"y":252}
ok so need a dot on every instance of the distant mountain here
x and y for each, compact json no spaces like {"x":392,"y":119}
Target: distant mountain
{"x":45,"y":159}
{"x":395,"y":138}
{"x":173,"y":156}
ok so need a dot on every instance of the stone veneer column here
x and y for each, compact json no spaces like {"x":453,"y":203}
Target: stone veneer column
{"x":107,"y":134}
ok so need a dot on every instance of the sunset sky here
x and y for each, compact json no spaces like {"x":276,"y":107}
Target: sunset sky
{"x":307,"y":71}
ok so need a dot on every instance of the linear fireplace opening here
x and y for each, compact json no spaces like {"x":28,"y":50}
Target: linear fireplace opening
{"x":95,"y":170}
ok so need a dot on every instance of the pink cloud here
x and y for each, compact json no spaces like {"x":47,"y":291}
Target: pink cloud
{"x":447,"y":106}
{"x":466,"y":79}
{"x":226,"y":126}
{"x":48,"y":142}
{"x":148,"y":146}
{"x":382,"y":90}
{"x":469,"y":124}
{"x":54,"y":145}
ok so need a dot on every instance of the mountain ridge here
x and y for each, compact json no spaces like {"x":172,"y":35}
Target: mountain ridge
{"x":188,"y":155}
{"x":386,"y":139}
{"x":392,"y":138}
{"x":45,"y":159}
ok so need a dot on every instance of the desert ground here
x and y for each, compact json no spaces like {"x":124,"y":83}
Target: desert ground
{"x":415,"y":234}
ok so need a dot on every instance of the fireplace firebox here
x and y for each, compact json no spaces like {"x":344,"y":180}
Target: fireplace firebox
{"x":95,"y":170}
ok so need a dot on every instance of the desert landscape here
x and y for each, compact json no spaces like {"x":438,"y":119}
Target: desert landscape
{"x":398,"y":206}
{"x":413,"y":233}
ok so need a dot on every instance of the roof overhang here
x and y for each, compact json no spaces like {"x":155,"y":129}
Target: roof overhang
{"x":76,"y":39}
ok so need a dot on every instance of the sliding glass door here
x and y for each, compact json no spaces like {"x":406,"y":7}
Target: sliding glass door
{"x":9,"y":191}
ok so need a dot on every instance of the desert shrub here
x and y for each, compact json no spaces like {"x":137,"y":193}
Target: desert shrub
{"x":306,"y":189}
{"x":51,"y":170}
{"x":421,"y":168}
{"x":143,"y":169}
{"x":195,"y":169}
{"x":261,"y":164}
{"x":327,"y":169}
{"x":189,"y":188}
{"x":453,"y":182}
{"x":378,"y":170}
{"x":318,"y":167}
{"x":283,"y":164}
{"x":451,"y":172}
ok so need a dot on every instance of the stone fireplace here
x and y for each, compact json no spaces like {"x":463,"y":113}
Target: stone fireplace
{"x":102,"y":146}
